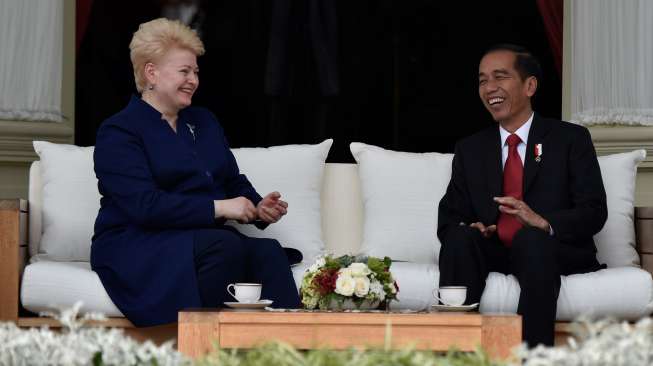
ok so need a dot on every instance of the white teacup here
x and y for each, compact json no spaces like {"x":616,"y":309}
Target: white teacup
{"x":245,"y":292}
{"x":451,"y":295}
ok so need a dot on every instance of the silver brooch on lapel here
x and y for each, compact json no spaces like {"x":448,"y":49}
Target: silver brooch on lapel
{"x":538,"y":153}
{"x":191,"y":128}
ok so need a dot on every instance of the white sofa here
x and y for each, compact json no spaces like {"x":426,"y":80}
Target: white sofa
{"x":334,"y":208}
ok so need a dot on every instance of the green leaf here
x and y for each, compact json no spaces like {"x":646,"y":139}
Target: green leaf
{"x":387,"y":261}
{"x":97,"y":359}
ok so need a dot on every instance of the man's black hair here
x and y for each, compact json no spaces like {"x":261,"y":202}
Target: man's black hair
{"x":525,"y":63}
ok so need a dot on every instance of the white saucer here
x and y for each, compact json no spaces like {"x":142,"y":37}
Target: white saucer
{"x":261,"y":304}
{"x":439,"y":307}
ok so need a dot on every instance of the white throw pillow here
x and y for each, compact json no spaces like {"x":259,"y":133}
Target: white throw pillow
{"x":296,"y":172}
{"x":401,"y":192}
{"x":70,"y":201}
{"x":616,"y":241}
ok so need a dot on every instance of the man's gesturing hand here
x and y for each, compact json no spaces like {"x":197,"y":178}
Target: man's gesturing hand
{"x":486,"y":231}
{"x":522,"y":212}
{"x":271,"y":208}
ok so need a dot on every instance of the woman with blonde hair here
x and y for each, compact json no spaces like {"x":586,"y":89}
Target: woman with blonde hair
{"x":168,"y":183}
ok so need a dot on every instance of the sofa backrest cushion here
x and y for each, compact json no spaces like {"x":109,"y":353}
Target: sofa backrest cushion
{"x":401,"y":192}
{"x":342,"y":207}
{"x":297,"y":172}
{"x":35,"y":200}
{"x":70,"y":201}
{"x":64,"y":198}
{"x":615,"y":243}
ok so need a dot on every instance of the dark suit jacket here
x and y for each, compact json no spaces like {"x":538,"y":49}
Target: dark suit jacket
{"x":158,"y":186}
{"x":565,"y":187}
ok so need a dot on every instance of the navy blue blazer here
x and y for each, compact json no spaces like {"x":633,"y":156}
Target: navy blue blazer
{"x":156,"y":186}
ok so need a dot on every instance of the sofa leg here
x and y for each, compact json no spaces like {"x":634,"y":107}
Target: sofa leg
{"x":13,"y":247}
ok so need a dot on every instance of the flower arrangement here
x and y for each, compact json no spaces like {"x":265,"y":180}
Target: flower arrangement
{"x":331,"y":282}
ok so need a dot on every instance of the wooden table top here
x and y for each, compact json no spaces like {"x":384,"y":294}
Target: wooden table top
{"x":225,"y":316}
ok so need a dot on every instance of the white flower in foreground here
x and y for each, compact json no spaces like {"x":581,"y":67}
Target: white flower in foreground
{"x":362,"y":287}
{"x":359,"y":269}
{"x":603,"y":342}
{"x":345,"y":285}
{"x":76,"y":345}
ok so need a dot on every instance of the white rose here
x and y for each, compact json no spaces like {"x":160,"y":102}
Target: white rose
{"x":359,"y":269}
{"x":362,"y":286}
{"x":376,"y":288}
{"x":345,"y":285}
{"x":345,"y":272}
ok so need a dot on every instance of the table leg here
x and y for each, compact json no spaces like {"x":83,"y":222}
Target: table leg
{"x":500,"y":334}
{"x":198,"y":333}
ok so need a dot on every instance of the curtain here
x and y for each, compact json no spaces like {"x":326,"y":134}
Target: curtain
{"x":612,"y":62}
{"x":552,"y":12}
{"x":82,"y":13}
{"x":31,"y":44}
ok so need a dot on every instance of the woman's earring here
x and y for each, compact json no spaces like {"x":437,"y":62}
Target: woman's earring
{"x":151,"y":87}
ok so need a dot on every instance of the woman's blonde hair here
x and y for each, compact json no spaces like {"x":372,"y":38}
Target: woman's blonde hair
{"x":154,"y":38}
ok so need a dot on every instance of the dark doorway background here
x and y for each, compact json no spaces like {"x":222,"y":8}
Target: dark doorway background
{"x":398,"y":74}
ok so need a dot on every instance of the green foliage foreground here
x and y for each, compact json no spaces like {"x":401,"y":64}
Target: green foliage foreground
{"x":281,"y":354}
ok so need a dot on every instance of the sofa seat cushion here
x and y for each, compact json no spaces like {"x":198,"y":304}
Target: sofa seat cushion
{"x":49,"y":285}
{"x":623,"y":293}
{"x":416,"y":283}
{"x":602,"y":293}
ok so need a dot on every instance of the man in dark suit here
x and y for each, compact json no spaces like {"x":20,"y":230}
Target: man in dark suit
{"x":525,"y":197}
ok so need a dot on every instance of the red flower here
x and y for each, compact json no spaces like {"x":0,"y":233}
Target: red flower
{"x":325,"y":281}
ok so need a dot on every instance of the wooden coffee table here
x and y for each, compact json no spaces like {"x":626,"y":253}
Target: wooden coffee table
{"x":199,"y":329}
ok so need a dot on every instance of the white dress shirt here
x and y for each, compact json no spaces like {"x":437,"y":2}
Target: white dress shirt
{"x":522,"y":132}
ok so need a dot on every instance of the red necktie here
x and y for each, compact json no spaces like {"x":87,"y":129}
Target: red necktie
{"x":513,"y":176}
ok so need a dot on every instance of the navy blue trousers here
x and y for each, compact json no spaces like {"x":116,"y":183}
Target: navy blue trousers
{"x":224,"y":256}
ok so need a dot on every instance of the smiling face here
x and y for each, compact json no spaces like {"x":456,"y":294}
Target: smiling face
{"x":175,"y":78}
{"x":503,"y":92}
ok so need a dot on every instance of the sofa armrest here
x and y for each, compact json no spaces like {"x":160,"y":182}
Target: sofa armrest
{"x":13,"y":254}
{"x":644,"y":232}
